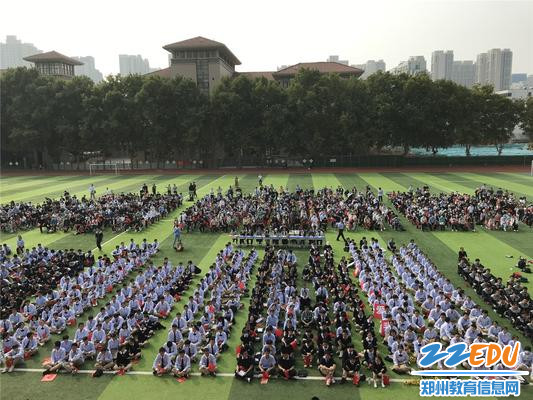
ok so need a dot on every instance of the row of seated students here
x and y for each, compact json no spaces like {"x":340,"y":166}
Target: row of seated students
{"x":285,"y":324}
{"x":509,"y":299}
{"x":31,"y":326}
{"x":418,"y":305}
{"x":200,"y":332}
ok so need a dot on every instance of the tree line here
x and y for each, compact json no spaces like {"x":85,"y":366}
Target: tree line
{"x":46,"y":119}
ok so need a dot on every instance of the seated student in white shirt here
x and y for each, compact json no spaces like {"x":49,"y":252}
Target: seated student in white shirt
{"x":13,"y":357}
{"x":29,"y":345}
{"x":104,"y":360}
{"x":162,"y":364}
{"x":191,"y":350}
{"x":182,"y":365}
{"x":75,"y":359}
{"x":207,"y":364}
{"x":57,"y":359}
{"x":172,"y":350}
{"x":87,"y":348}
{"x":57,"y":324}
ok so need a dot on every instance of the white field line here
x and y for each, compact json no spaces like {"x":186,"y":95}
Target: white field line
{"x":223,"y":375}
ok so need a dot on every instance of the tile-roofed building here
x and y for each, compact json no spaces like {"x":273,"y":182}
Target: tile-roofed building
{"x":258,"y":74}
{"x":207,"y":62}
{"x":285,"y":75}
{"x":203,"y":60}
{"x":164,"y":73}
{"x":53,"y":63}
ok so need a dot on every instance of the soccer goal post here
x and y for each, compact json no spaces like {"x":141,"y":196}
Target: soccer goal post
{"x":95,"y":168}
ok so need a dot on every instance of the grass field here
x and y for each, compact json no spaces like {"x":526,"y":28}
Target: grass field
{"x":492,"y":247}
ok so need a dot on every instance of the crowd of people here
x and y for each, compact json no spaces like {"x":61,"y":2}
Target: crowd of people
{"x":76,"y":283}
{"x":418,"y":305}
{"x":199,"y":333}
{"x":509,"y":299}
{"x":267,"y":210}
{"x":492,"y":209}
{"x":120,"y":212}
{"x":286,"y":322}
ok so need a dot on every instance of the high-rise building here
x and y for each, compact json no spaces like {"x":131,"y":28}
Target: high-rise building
{"x":13,"y":51}
{"x":370,"y":67}
{"x":482,"y":68}
{"x":336,"y":59}
{"x":500,"y":68}
{"x":494,"y":68}
{"x":441,"y":64}
{"x":413,"y":66}
{"x":464,"y":73}
{"x":88,"y":68}
{"x":133,"y":64}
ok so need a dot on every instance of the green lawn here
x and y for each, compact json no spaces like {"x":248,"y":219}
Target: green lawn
{"x":491,"y":247}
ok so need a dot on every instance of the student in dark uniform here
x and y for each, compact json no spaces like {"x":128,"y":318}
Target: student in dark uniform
{"x":286,"y":366}
{"x":378,"y":369}
{"x":245,"y":366}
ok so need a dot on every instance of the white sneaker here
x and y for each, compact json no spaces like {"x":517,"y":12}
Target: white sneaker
{"x":375,"y":385}
{"x":382,"y":384}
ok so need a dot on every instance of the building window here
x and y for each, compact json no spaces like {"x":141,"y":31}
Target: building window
{"x":202,"y":75}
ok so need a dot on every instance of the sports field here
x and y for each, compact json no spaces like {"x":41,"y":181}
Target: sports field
{"x":494,"y":248}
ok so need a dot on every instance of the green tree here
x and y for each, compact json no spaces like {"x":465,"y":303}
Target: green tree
{"x":526,"y":117}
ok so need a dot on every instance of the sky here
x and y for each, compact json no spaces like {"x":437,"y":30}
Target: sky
{"x":268,"y":34}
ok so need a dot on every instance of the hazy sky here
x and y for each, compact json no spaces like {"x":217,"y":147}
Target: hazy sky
{"x":266,"y":34}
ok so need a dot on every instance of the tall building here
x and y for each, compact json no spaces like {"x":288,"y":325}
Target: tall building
{"x":133,"y":64}
{"x":441,"y":64}
{"x":370,"y":67}
{"x":464,"y":73}
{"x":500,"y":68}
{"x":202,"y":60}
{"x":336,"y":59}
{"x":206,"y":62}
{"x":482,"y":68}
{"x":13,"y":51}
{"x":494,"y":68}
{"x":413,"y":66}
{"x":88,"y":68}
{"x":54,"y":64}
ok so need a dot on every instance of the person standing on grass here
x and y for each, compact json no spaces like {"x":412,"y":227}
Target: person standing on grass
{"x":260,"y":179}
{"x":92,"y":192}
{"x":99,"y":236}
{"x":340,"y":227}
{"x":380,"y":195}
{"x":20,"y":245}
{"x":177,"y":235}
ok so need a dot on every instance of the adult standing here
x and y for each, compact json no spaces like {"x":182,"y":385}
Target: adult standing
{"x":92,"y":192}
{"x":340,"y":227}
{"x":177,"y":234}
{"x":260,"y":179}
{"x":99,"y":236}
